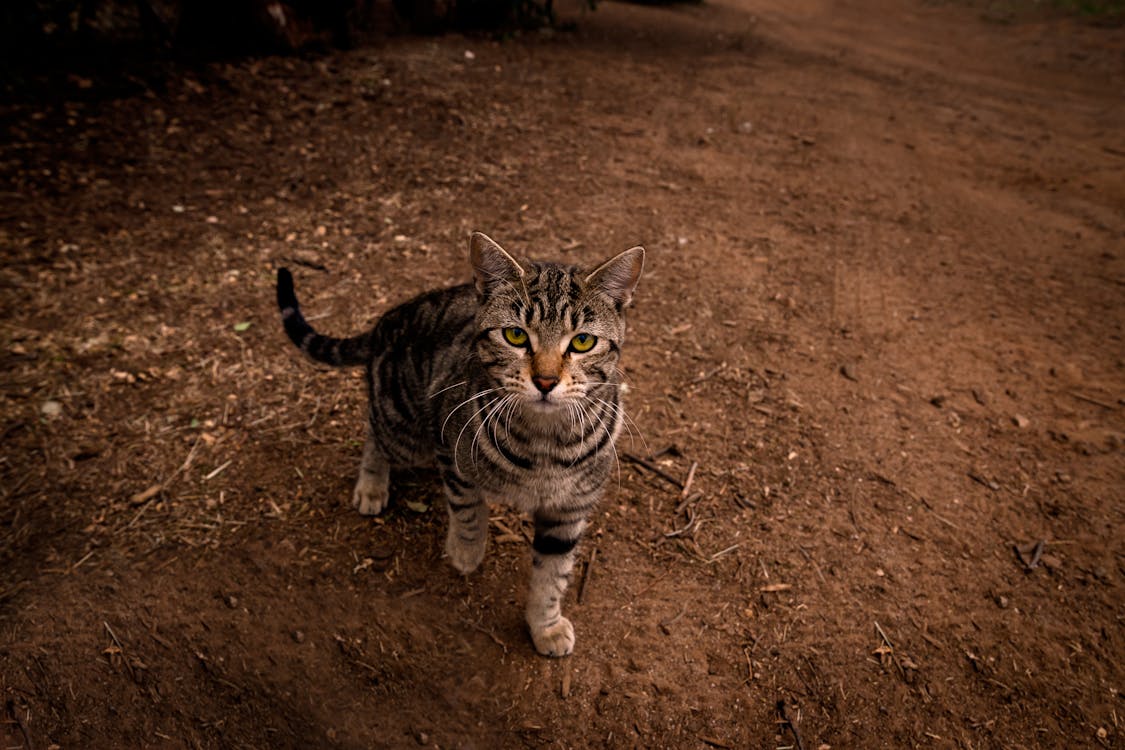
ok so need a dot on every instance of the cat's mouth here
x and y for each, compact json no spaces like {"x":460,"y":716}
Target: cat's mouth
{"x":544,"y":402}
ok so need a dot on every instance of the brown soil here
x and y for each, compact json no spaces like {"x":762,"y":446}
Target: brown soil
{"x":883,"y":314}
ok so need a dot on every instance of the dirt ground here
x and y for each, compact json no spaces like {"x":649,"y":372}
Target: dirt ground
{"x":882,"y":317}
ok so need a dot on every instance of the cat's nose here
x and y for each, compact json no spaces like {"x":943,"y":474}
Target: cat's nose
{"x":544,"y":382}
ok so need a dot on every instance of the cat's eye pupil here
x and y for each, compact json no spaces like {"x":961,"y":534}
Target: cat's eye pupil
{"x":582,"y":342}
{"x":515,"y":336}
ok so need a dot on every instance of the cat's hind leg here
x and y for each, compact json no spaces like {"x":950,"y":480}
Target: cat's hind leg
{"x":371,"y":488}
{"x":467,"y":537}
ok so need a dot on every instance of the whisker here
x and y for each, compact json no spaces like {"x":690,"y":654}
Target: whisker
{"x":618,"y":412}
{"x":508,"y":418}
{"x":447,"y":388}
{"x":476,"y":435}
{"x":628,"y":422}
{"x":576,"y":407}
{"x":457,"y":442}
{"x":470,"y":399}
{"x":581,"y":408}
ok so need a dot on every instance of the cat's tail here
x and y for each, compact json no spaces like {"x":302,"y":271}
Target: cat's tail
{"x":356,"y":350}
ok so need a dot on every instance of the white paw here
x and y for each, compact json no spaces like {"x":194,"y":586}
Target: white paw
{"x":465,"y":556}
{"x":370,"y":496}
{"x":556,"y":640}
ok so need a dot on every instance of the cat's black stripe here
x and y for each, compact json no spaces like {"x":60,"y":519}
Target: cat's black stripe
{"x":451,"y":479}
{"x":607,"y":435}
{"x":348,"y":352}
{"x":601,"y":373}
{"x":499,"y":444}
{"x":396,"y":386}
{"x":462,"y":506}
{"x":549,"y":545}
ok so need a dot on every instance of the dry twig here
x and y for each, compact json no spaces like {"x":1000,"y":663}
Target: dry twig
{"x":890,"y":649}
{"x":489,"y":633}
{"x":121,"y":649}
{"x":690,"y":478}
{"x":783,"y":713}
{"x":668,"y":450}
{"x":689,"y":500}
{"x":587,"y":572}
{"x":653,"y":468}
{"x":18,"y":716}
{"x":1030,"y":554}
{"x":693,"y":523}
{"x":665,"y":625}
{"x":1091,"y":400}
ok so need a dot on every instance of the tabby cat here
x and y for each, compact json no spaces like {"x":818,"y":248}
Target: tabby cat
{"x":512,"y":388}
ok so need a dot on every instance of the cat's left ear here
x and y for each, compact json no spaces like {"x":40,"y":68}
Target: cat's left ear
{"x":618,"y":277}
{"x":492,"y":266}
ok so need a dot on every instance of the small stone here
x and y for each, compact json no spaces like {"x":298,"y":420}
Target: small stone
{"x":1051,"y":562}
{"x":1020,"y":421}
{"x":231,"y":601}
{"x":51,"y":409}
{"x":848,"y":371}
{"x":299,"y":636}
{"x":1002,"y":602}
{"x":1069,"y":372}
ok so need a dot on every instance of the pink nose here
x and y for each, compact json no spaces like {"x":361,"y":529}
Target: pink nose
{"x":544,"y":382}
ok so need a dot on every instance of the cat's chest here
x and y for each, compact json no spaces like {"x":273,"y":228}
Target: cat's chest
{"x":535,"y":488}
{"x":533,"y":475}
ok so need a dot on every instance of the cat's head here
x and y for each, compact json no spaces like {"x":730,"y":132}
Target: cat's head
{"x":550,"y":333}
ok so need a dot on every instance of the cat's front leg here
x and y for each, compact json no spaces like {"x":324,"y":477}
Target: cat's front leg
{"x":467,"y":537}
{"x":552,"y":560}
{"x":372,"y":487}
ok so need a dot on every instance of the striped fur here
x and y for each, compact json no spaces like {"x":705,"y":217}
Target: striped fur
{"x":530,"y":425}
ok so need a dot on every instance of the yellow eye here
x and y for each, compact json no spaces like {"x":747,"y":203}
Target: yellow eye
{"x":515,"y":336}
{"x":583,"y":342}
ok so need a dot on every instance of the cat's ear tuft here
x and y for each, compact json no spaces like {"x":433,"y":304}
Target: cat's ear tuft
{"x":492,"y":266}
{"x":618,"y":277}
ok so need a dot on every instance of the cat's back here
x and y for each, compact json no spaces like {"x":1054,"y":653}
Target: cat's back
{"x":431,"y":322}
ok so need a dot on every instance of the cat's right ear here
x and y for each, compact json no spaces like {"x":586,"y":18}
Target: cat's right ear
{"x":492,"y":266}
